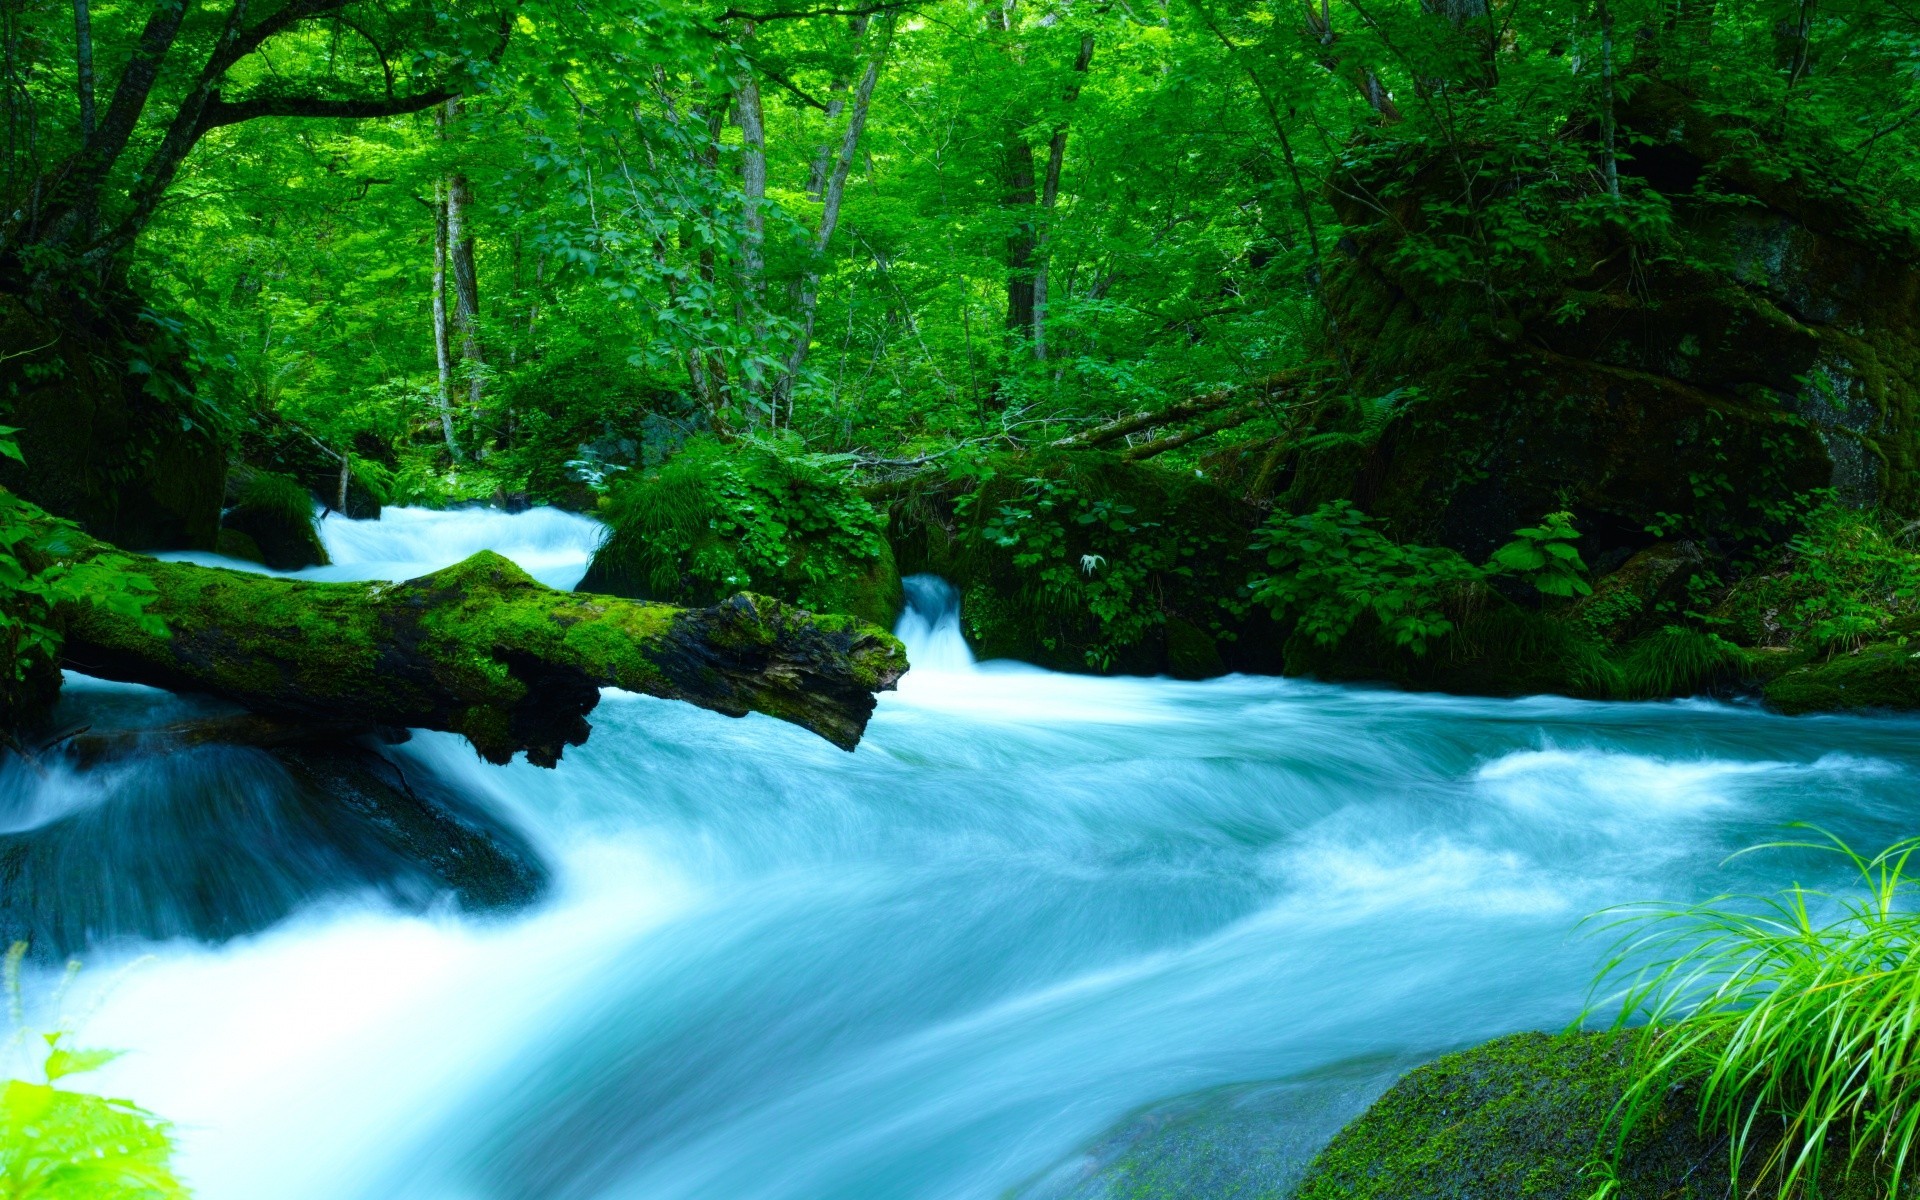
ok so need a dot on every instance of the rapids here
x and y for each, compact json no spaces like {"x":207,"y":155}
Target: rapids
{"x":1034,"y":922}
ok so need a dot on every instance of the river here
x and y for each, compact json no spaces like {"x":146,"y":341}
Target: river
{"x":1038,"y":931}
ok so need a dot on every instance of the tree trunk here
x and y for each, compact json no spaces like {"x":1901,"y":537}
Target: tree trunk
{"x":478,"y":649}
{"x":753,"y":188}
{"x":1050,"y":195}
{"x":443,"y":353}
{"x":466,"y":288}
{"x":1608,"y":123}
{"x":1017,"y":199}
{"x":830,"y":210}
{"x":83,"y":65}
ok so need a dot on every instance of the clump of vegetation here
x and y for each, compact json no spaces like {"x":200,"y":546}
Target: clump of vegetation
{"x":1849,"y":577}
{"x":35,"y":585}
{"x":720,"y":518}
{"x":57,"y":1144}
{"x":1333,"y":565}
{"x":1792,"y":1017}
{"x":1677,"y":661}
{"x":1079,"y":559}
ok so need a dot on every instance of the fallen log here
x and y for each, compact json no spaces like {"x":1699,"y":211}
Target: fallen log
{"x":478,"y":649}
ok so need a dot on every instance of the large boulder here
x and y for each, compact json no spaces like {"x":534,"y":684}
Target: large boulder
{"x":1694,"y":386}
{"x":1528,"y":1117}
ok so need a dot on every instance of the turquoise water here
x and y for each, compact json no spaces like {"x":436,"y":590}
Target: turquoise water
{"x":1031,"y":922}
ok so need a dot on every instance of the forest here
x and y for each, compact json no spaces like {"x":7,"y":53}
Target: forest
{"x":1487,"y":348}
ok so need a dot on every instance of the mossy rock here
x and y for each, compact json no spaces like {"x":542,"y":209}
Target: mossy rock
{"x":1883,"y":676}
{"x":274,"y":518}
{"x":1080,"y":560}
{"x":1768,"y":349}
{"x":1642,"y":594}
{"x":718,"y":519}
{"x":1527,"y":1117}
{"x":111,"y":434}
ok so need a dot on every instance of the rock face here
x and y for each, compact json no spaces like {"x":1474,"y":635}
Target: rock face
{"x":111,"y":436}
{"x":1772,"y":346}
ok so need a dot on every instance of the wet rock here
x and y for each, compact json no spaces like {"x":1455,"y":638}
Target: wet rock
{"x":217,"y":841}
{"x":1647,"y":591}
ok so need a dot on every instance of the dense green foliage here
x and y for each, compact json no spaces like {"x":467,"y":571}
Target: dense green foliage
{"x":1792,"y":1017}
{"x":715,"y":519}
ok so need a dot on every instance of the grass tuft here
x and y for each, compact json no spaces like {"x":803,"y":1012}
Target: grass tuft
{"x":1794,"y":1018}
{"x":1676,"y":661}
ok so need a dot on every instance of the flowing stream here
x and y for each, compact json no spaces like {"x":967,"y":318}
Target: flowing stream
{"x":1040,"y":932}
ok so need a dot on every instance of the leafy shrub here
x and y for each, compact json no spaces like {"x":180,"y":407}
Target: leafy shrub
{"x":1544,"y":557}
{"x":57,"y":1144}
{"x":1794,"y":1016}
{"x":35,"y":583}
{"x":1849,"y":577}
{"x":1333,"y":565}
{"x":718,"y":518}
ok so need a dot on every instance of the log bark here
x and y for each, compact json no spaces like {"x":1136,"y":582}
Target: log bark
{"x":478,"y":649}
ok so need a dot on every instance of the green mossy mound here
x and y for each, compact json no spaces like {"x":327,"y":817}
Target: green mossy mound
{"x":111,"y":433}
{"x":272,"y":522}
{"x":1521,"y":1118}
{"x":1081,"y":560}
{"x":718,"y":519}
{"x":1882,"y":676}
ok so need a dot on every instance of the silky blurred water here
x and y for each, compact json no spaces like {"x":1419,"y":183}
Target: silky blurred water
{"x":950,"y":963}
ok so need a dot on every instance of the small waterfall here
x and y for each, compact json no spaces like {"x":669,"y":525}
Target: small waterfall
{"x":930,"y":627}
{"x":550,"y":544}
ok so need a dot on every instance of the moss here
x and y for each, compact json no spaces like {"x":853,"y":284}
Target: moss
{"x":1882,"y":676}
{"x":276,"y":514}
{"x":1522,"y":1117}
{"x":718,"y":519}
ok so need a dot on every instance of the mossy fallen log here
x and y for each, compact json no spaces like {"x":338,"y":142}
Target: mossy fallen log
{"x":479,"y":649}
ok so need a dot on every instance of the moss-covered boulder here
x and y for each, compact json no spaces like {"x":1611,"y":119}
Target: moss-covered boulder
{"x":1881,"y":676}
{"x":717,"y":519}
{"x":1528,"y":1117}
{"x":112,"y":434}
{"x":272,"y":522}
{"x":268,"y":442}
{"x":1761,"y":342}
{"x":1082,"y":560}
